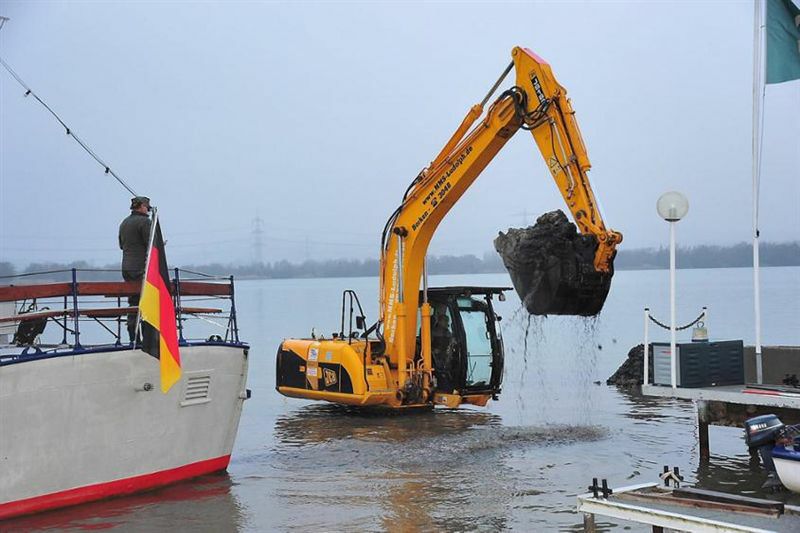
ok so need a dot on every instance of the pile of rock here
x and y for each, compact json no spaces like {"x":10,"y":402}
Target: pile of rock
{"x":631,"y":371}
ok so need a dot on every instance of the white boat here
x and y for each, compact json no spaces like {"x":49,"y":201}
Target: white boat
{"x":778,"y":446}
{"x":82,"y":422}
{"x":787,"y":464}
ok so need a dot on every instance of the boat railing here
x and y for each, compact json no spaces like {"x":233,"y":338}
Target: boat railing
{"x":71,"y":298}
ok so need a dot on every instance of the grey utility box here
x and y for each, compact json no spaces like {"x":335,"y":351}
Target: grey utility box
{"x":700,"y":364}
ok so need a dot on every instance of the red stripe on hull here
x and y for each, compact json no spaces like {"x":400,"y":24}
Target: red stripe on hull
{"x":112,"y":488}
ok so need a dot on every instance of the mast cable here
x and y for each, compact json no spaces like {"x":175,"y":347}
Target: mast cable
{"x":29,"y":91}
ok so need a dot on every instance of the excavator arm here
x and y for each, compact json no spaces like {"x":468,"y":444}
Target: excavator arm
{"x":466,"y":366}
{"x":536,"y":103}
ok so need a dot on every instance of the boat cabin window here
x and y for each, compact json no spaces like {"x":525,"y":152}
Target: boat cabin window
{"x":479,"y":342}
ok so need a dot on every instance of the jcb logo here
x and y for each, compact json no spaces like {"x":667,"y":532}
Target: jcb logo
{"x":330,"y":377}
{"x":537,"y":88}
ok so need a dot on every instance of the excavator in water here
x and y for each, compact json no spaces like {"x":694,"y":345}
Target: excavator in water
{"x":442,"y":346}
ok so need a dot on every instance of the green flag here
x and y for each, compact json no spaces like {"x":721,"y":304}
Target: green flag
{"x":783,"y":41}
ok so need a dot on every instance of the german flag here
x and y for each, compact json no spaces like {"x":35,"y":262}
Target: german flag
{"x":159,"y":329}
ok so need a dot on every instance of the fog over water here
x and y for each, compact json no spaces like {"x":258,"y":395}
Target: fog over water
{"x":315,"y":117}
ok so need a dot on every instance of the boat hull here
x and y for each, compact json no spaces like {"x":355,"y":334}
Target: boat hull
{"x":787,"y":464}
{"x":92,"y":425}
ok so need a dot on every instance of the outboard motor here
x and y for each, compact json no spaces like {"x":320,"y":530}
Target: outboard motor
{"x":760,"y":433}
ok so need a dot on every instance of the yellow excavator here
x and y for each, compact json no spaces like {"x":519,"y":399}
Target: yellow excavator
{"x":442,"y":346}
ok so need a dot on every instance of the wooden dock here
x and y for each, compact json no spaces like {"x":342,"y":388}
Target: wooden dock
{"x":688,"y":510}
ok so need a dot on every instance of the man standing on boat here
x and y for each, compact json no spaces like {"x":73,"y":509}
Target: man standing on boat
{"x":134,"y":237}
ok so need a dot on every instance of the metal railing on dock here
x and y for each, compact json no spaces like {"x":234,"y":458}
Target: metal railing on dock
{"x":702,"y":318}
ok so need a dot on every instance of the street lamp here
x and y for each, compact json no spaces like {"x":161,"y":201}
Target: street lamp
{"x":672,"y":206}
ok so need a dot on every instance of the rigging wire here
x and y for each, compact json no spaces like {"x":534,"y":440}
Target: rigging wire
{"x":29,"y":92}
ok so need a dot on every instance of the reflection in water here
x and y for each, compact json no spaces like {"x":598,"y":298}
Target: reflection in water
{"x":740,"y":475}
{"x":409,"y":507}
{"x":320,"y":423}
{"x":649,"y":408}
{"x":442,"y":470}
{"x":729,"y":474}
{"x":203,"y":504}
{"x":457,"y":430}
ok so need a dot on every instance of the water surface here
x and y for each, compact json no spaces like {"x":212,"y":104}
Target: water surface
{"x":515,"y":465}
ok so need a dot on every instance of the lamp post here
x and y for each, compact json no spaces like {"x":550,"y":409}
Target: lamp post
{"x":672,"y":206}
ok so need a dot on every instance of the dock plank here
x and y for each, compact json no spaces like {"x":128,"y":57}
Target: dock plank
{"x":729,"y":393}
{"x":691,"y":493}
{"x":655,"y":505}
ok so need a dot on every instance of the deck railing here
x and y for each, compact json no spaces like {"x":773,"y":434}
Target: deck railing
{"x":91,"y":300}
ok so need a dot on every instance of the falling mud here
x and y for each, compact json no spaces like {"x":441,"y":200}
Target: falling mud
{"x":532,"y":342}
{"x":584,"y":365}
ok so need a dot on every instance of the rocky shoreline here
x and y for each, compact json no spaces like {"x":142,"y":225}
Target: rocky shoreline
{"x":629,"y":374}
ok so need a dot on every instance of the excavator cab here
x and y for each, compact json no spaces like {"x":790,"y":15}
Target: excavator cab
{"x":466,"y":344}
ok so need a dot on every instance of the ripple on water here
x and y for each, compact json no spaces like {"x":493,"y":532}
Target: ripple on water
{"x":514,"y":437}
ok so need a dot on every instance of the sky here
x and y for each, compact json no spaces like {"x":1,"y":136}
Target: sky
{"x":313,"y":117}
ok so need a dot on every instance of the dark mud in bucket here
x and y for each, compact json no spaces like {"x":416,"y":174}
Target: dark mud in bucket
{"x":552,"y":267}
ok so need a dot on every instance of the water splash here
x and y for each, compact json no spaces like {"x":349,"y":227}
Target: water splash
{"x":532,"y":340}
{"x":584,"y":364}
{"x":547,"y":345}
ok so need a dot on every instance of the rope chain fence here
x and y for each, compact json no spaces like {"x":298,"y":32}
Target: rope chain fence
{"x":679,"y":328}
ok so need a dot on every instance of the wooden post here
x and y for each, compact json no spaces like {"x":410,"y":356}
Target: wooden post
{"x":702,"y":429}
{"x":588,"y":523}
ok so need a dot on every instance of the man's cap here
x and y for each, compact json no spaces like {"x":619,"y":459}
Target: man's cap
{"x":138,"y":201}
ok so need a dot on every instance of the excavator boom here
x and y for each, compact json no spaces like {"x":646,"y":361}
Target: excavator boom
{"x":538,"y":103}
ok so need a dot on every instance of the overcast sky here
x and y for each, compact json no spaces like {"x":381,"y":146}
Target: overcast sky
{"x":316,"y":116}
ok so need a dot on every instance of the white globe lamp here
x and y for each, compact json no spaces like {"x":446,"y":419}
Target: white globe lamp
{"x":672,"y":206}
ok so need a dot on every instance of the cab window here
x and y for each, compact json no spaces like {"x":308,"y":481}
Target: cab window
{"x":479,"y":344}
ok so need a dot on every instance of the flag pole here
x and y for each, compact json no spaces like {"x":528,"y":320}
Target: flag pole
{"x":144,"y":276}
{"x":758,"y":100}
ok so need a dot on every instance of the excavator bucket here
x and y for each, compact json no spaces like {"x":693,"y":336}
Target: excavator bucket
{"x":552,"y":267}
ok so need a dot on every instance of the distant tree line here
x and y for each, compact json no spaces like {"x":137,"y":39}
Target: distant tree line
{"x":710,"y":256}
{"x":704,"y":256}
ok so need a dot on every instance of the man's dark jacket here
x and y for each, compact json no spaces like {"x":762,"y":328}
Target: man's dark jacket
{"x":134,"y":236}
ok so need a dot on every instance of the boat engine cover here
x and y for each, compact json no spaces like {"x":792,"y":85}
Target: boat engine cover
{"x":761,"y":430}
